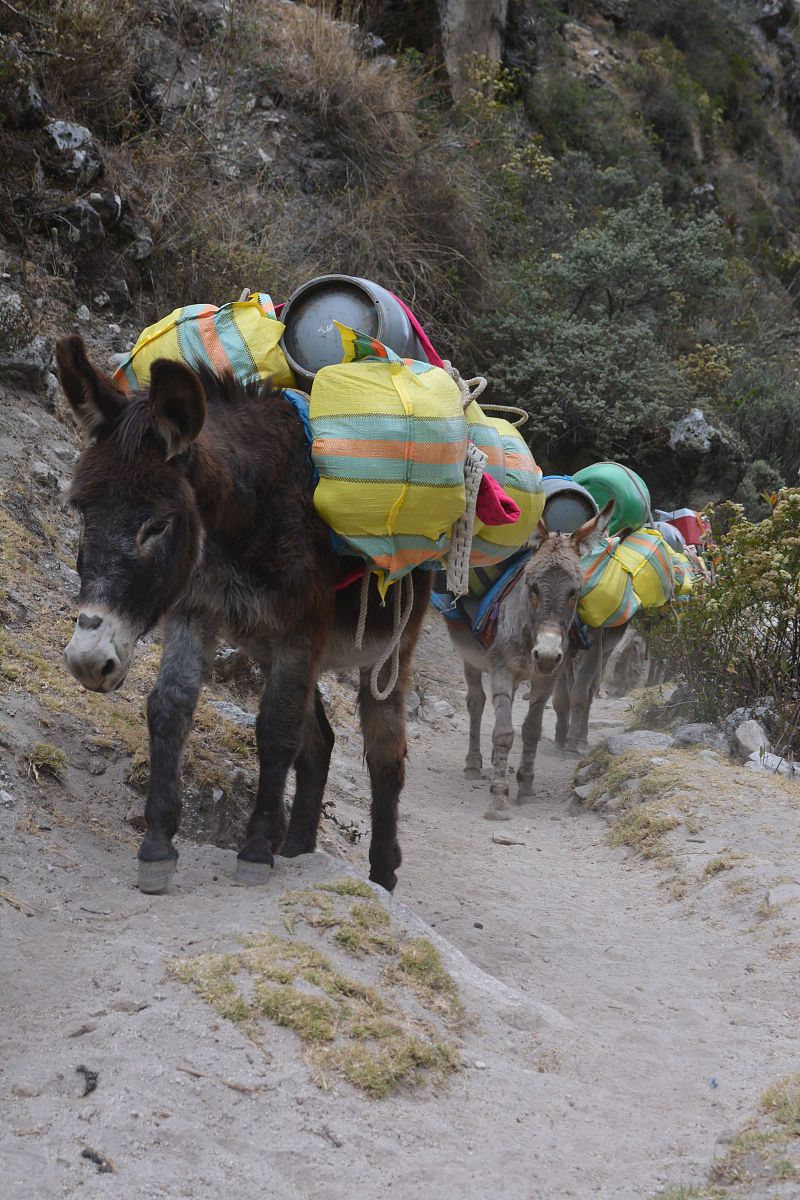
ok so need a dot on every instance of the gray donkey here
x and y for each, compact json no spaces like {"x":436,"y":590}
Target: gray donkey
{"x":531,"y":643}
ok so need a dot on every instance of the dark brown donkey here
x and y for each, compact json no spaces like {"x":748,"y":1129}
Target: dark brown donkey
{"x":196,"y":503}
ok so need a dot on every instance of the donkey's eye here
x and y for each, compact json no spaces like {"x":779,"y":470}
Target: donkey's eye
{"x":534,"y":587}
{"x":150,"y":533}
{"x":572,"y":593}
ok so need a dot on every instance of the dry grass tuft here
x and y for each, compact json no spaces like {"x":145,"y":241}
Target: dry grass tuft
{"x":353,"y":1029}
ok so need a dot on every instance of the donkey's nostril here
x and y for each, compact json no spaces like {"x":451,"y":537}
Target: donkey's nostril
{"x":108,"y":667}
{"x":87,"y":622}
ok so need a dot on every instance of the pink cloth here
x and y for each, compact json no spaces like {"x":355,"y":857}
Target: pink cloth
{"x":494,"y":507}
{"x":424,"y":341}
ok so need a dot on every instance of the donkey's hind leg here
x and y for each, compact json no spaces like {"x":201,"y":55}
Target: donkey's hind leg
{"x":383,"y":724}
{"x":311,"y":770}
{"x":476,"y":699}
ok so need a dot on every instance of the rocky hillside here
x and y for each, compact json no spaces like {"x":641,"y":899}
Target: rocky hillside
{"x":591,"y":202}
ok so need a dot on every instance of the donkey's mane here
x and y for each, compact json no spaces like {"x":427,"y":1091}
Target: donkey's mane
{"x":221,"y":390}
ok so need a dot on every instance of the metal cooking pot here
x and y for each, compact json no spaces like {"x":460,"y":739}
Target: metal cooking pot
{"x":311,"y":340}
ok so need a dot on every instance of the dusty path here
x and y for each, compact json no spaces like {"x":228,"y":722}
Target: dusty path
{"x":678,"y":1024}
{"x":631,"y":1038}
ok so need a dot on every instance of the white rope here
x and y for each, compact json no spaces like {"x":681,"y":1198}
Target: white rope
{"x":362,"y":610}
{"x":391,"y":650}
{"x":460,"y":548}
{"x":470,"y":388}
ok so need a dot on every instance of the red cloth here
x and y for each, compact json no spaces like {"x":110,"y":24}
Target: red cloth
{"x":494,"y":507}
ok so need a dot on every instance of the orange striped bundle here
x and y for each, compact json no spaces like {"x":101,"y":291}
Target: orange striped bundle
{"x":240,"y":339}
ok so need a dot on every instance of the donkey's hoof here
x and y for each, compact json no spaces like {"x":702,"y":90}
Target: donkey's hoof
{"x":472,"y":772}
{"x":294,"y":847}
{"x":252,"y":874}
{"x":497,"y":814}
{"x":524,"y":791}
{"x":155,"y":877}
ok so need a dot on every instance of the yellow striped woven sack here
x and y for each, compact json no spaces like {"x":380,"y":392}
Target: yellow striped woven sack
{"x":682,"y":573}
{"x":646,"y":557}
{"x":240,"y":339}
{"x":607,"y":598}
{"x":511,"y":463}
{"x":389,"y":444}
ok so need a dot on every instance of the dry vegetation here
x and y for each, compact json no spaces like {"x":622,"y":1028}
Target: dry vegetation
{"x":377,"y":1035}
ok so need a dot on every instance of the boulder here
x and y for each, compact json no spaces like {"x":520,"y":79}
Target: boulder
{"x":638,"y":739}
{"x":28,"y":365}
{"x":701,"y":733}
{"x":751,"y":738}
{"x":73,"y":154}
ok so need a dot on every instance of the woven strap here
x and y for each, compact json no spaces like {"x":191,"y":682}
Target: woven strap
{"x":458,"y":554}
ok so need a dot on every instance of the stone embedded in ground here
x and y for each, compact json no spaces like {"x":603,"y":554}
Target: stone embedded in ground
{"x":589,"y":771}
{"x":772,"y":763}
{"x":29,"y":365}
{"x":14,"y":320}
{"x":783,"y":893}
{"x":638,"y":739}
{"x":751,"y":738}
{"x":73,"y":153}
{"x":235,"y":714}
{"x":701,"y":733}
{"x":78,"y":223}
{"x":584,"y":791}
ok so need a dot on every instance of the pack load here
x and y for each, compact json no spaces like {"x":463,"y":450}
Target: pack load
{"x":607,"y":597}
{"x":692,"y":526}
{"x":646,"y":557}
{"x":390,"y":440}
{"x":613,"y":481}
{"x":398,"y":481}
{"x":512,"y":466}
{"x":682,"y":574}
{"x":240,"y":339}
{"x":389,"y":443}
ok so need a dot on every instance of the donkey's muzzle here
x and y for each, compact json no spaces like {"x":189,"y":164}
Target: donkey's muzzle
{"x":547,"y":663}
{"x":100,"y":651}
{"x":548,"y":651}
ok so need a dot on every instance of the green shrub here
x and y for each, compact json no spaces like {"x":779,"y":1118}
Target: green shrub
{"x":588,"y":344}
{"x":738,"y":640}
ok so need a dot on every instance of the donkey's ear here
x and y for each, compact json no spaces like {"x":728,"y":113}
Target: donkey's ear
{"x":587,"y":537}
{"x":94,"y":398}
{"x":177,"y":405}
{"x":540,"y":534}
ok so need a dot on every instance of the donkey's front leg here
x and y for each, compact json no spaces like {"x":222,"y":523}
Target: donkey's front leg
{"x":189,"y":646}
{"x":290,"y":675}
{"x":502,"y":740}
{"x":476,"y":699}
{"x":531,"y":733}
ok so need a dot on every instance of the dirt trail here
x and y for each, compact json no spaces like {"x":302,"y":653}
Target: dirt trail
{"x":615,"y":1037}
